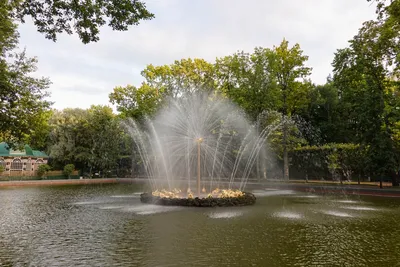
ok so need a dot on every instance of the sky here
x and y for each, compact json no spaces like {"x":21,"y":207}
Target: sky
{"x":83,"y":75}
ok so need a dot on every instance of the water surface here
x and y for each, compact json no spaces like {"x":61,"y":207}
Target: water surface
{"x":106,"y":225}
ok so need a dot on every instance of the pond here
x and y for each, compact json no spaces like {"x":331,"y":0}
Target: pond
{"x":106,"y":225}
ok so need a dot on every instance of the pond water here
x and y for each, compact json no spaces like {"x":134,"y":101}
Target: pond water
{"x":106,"y":225}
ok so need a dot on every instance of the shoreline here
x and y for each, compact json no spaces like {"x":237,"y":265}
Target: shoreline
{"x":310,"y":187}
{"x":4,"y":184}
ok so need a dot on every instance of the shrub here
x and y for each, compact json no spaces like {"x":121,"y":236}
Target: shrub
{"x":42,"y":170}
{"x":68,"y":170}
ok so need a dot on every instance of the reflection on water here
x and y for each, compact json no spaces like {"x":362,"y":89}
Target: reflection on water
{"x":108,"y":226}
{"x":225,"y":214}
{"x":337,"y":213}
{"x":288,"y":215}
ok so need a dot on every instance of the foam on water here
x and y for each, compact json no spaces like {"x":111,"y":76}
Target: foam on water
{"x":148,"y":209}
{"x":348,"y":201}
{"x":111,"y":207}
{"x":88,"y":202}
{"x":358,"y":208}
{"x":307,"y":196}
{"x":337,"y":213}
{"x":288,"y":215}
{"x":127,"y":196}
{"x":225,"y":214}
{"x":262,"y":193}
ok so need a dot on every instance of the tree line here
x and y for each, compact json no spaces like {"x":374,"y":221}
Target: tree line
{"x":348,"y":127}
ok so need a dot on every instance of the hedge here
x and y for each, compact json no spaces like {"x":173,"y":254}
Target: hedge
{"x":330,"y":161}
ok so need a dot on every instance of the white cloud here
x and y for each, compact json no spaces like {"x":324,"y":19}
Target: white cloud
{"x":85,"y":74}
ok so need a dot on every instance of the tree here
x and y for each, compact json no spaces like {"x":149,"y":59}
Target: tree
{"x":362,"y":75}
{"x":53,"y":17}
{"x":324,"y":113}
{"x":105,"y":138}
{"x":247,"y":80}
{"x":135,"y":102}
{"x":289,"y":70}
{"x":23,"y":101}
{"x":68,"y":138}
{"x":90,"y":139}
{"x":184,"y":76}
{"x":68,"y":170}
{"x":42,"y":170}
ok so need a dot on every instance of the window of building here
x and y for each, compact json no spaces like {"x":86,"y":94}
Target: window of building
{"x":17,"y":165}
{"x":3,"y":164}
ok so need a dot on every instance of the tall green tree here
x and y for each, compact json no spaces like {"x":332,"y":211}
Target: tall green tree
{"x":23,"y":97}
{"x":247,"y":80}
{"x":90,"y":139}
{"x":324,"y":113}
{"x":184,"y":76}
{"x":136,"y":103}
{"x":52,"y":17}
{"x":291,"y":74}
{"x":362,"y":74}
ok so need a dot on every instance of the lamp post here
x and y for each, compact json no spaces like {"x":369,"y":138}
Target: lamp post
{"x":199,"y":141}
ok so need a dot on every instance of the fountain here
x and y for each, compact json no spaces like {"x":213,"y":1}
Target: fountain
{"x":201,"y":135}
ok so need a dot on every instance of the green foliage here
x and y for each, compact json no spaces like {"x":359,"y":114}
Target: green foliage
{"x":362,"y":74}
{"x":23,"y":103}
{"x":317,"y":162}
{"x":68,"y":170}
{"x":182,"y":77}
{"x":135,"y":102}
{"x":42,"y":170}
{"x":1,"y":169}
{"x":289,"y":70}
{"x":324,"y":113}
{"x":90,"y":139}
{"x":53,"y":17}
{"x":247,"y":80}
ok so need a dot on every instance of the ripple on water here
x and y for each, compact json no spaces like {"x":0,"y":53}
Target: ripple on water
{"x":149,"y":209}
{"x":348,"y":201}
{"x":288,"y":215}
{"x":337,"y":213}
{"x":111,"y":207}
{"x":358,"y":208}
{"x":88,"y":202}
{"x":262,"y":193}
{"x":127,"y":196}
{"x":225,"y":214}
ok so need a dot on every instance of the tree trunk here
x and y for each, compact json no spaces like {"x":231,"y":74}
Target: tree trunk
{"x":284,"y":139}
{"x":395,"y":179}
{"x":380,"y":182}
{"x":285,"y":152}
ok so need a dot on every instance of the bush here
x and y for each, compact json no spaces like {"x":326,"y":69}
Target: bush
{"x":1,"y":169}
{"x":42,"y":170}
{"x":68,"y":170}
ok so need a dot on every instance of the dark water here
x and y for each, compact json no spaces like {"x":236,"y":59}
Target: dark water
{"x":108,"y":226}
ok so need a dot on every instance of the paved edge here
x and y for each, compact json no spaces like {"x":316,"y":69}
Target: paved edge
{"x":58,"y":182}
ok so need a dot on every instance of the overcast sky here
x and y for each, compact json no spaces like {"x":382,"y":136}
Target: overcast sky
{"x":83,"y":75}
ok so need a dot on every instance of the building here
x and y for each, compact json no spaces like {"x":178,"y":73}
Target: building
{"x":21,"y":162}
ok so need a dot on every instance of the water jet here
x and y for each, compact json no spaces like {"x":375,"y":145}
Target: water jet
{"x":204,"y":136}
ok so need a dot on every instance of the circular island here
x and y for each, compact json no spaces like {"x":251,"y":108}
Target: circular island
{"x":225,"y":198}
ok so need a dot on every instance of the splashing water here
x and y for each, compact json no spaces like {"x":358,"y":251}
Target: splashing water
{"x":200,"y":133}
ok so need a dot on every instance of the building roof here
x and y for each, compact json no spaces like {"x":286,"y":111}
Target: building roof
{"x":27,"y":151}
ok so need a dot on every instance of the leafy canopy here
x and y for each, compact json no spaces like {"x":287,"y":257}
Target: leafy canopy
{"x":85,"y":17}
